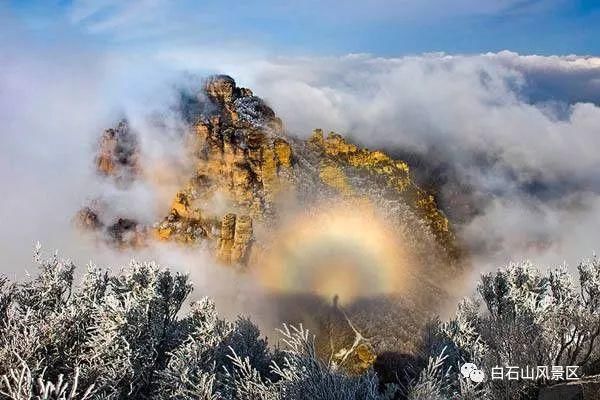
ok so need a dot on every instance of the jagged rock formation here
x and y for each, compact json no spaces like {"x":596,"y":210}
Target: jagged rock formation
{"x":239,"y":154}
{"x":118,"y":153}
{"x":118,"y":161}
{"x":120,"y":232}
{"x":244,"y":159}
{"x":339,"y":154}
{"x":87,"y":218}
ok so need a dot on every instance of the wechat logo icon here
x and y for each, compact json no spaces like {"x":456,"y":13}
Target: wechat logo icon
{"x":470,"y":371}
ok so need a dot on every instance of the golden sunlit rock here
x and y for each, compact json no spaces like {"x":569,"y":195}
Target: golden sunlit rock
{"x":332,"y":175}
{"x":395,"y":173}
{"x":226,"y":238}
{"x":118,"y":154}
{"x":242,"y":239}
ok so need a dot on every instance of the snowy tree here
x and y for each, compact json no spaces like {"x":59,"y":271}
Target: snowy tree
{"x":122,"y":336}
{"x":524,"y":317}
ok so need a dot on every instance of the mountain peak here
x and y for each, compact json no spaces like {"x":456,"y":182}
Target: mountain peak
{"x":260,"y":175}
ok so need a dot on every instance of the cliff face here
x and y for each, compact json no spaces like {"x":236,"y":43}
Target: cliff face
{"x":118,"y":154}
{"x":245,"y":161}
{"x":387,"y":174}
{"x":240,"y":156}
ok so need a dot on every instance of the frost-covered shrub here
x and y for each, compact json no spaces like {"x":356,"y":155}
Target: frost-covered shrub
{"x":20,"y":384}
{"x":524,"y":317}
{"x":122,"y":336}
{"x":199,"y":367}
{"x":116,"y":330}
{"x":304,"y":376}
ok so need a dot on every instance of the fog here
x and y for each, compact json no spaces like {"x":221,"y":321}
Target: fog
{"x":521,"y":132}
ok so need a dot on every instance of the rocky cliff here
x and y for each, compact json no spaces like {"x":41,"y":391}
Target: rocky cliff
{"x":244,"y":159}
{"x":317,"y":215}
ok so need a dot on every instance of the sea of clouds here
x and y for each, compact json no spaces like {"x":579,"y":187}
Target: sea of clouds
{"x":519,"y":133}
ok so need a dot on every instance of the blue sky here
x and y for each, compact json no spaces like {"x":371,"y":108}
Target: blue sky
{"x":325,"y":27}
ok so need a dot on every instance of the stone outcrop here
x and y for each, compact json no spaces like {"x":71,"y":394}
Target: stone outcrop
{"x":118,"y":154}
{"x":185,"y":222}
{"x":240,"y":154}
{"x":235,"y":239}
{"x":127,"y":232}
{"x":119,"y":232}
{"x":395,"y":174}
{"x":117,"y":160}
{"x":87,"y":218}
{"x":239,"y":147}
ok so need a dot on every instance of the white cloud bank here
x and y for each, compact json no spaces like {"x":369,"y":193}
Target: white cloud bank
{"x":522,"y":132}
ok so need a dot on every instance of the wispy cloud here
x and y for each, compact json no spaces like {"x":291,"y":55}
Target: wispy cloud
{"x":139,"y":20}
{"x":104,"y":15}
{"x":311,"y":24}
